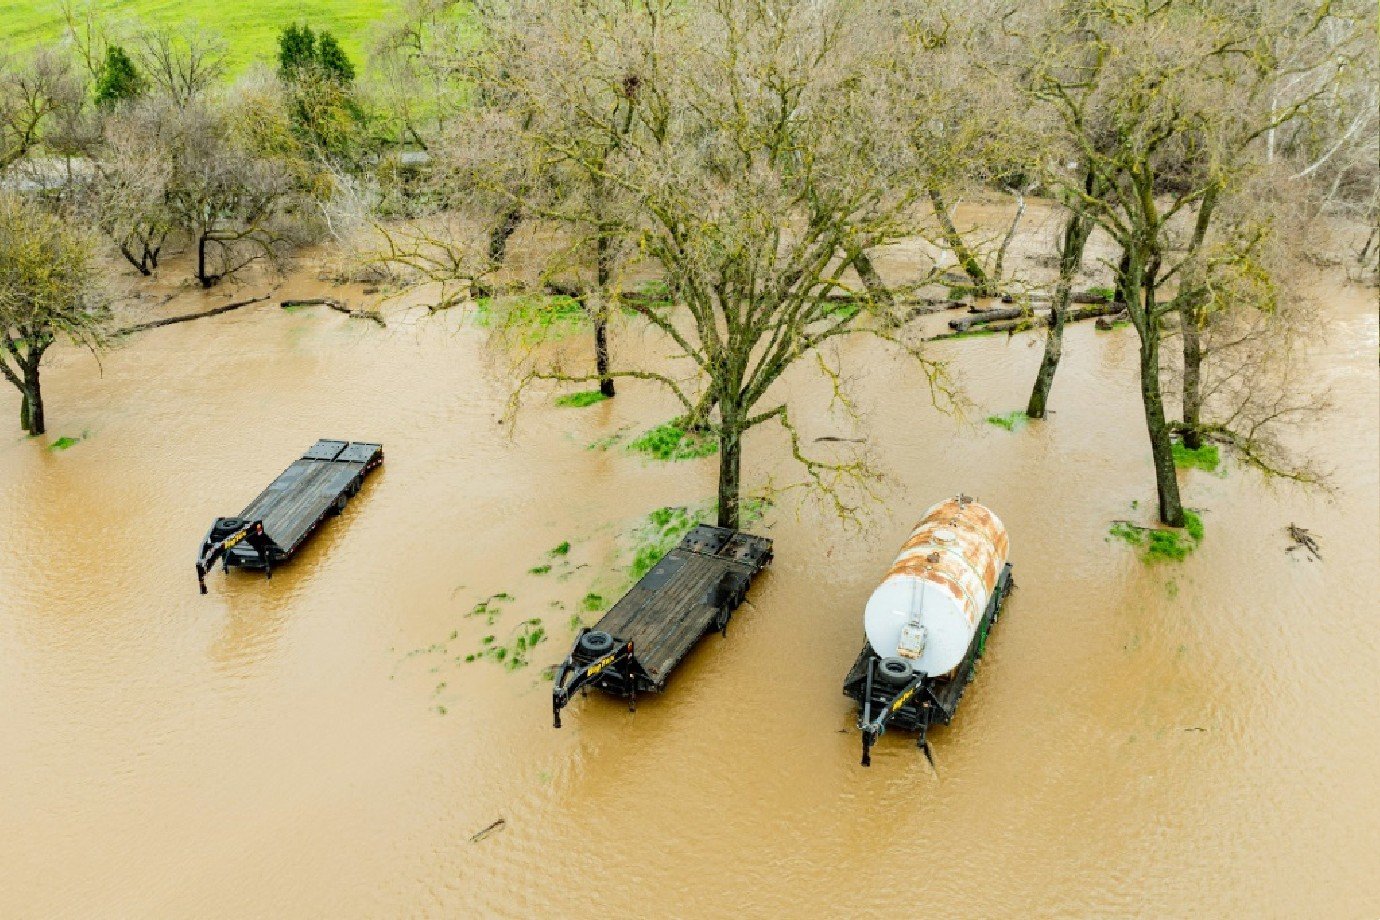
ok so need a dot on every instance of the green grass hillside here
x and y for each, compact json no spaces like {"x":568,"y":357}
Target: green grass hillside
{"x":249,"y":27}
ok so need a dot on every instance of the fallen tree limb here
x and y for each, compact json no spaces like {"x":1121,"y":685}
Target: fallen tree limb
{"x":1089,"y":297}
{"x":1024,"y":321}
{"x":188,"y":317}
{"x":371,"y":315}
{"x":1303,"y":539}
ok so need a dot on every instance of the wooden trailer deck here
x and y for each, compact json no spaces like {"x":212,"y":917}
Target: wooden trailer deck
{"x":276,"y":523}
{"x":692,"y":590}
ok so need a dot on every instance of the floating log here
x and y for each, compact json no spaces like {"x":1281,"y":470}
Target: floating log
{"x":1045,"y":297}
{"x":188,"y":317}
{"x":1108,"y":323}
{"x":371,"y":315}
{"x":496,"y":826}
{"x":1024,"y":321}
{"x":964,"y":323}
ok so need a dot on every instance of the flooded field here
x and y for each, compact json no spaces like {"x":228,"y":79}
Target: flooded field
{"x":1140,"y":740}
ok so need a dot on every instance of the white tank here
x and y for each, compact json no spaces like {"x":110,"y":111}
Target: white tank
{"x":929,"y":605}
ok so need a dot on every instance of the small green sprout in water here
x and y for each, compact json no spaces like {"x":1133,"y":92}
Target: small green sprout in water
{"x":669,"y":441}
{"x":581,"y":399}
{"x":590,"y":603}
{"x":539,"y":570}
{"x":1010,"y":421}
{"x":560,"y":549}
{"x":64,"y":442}
{"x":1207,"y":458}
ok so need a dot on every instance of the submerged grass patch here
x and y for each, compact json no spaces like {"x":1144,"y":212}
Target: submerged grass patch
{"x":1162,"y":544}
{"x":670,"y":441}
{"x":512,"y":652}
{"x":1011,"y":421}
{"x":581,"y":399}
{"x":1207,"y":458}
{"x":534,"y":317}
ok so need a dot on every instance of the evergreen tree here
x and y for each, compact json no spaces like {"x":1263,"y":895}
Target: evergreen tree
{"x":331,"y":57}
{"x":119,"y":79}
{"x":296,"y":50}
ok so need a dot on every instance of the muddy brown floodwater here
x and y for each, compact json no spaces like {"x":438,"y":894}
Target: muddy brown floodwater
{"x":1181,"y":739}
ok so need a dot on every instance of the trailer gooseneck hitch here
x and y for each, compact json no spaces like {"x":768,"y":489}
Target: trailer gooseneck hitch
{"x":570,"y":677}
{"x":216,"y":548}
{"x":874,"y":727}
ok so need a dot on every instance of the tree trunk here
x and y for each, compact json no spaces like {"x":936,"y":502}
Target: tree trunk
{"x":1076,"y":232}
{"x":1161,"y":448}
{"x":1054,"y":349}
{"x":139,"y":262}
{"x":601,"y":351}
{"x":1139,"y":283}
{"x":201,"y":262}
{"x":730,"y":473}
{"x":31,"y":405}
{"x":966,"y":260}
{"x":1193,"y":370}
{"x":603,"y":269}
{"x":499,"y":236}
{"x":1192,"y":313}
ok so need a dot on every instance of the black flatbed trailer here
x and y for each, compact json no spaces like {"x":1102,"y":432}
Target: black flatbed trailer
{"x":275,"y":524}
{"x":916,"y":701}
{"x":691,"y":591}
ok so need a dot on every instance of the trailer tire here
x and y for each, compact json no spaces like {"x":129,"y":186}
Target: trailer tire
{"x":596,"y":642}
{"x":895,"y":671}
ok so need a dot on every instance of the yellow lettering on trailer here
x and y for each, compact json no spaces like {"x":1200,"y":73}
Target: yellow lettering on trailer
{"x":601,"y":664}
{"x":236,"y":538}
{"x":904,"y":698}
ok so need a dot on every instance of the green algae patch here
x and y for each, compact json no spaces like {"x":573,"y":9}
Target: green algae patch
{"x":1207,"y":458}
{"x":580,"y":400}
{"x":1162,"y":544}
{"x":1010,"y":421}
{"x":670,"y":441}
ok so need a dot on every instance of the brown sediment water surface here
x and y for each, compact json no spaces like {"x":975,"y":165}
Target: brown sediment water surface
{"x":1194,"y":738}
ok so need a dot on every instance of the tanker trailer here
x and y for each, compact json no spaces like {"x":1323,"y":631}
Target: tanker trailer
{"x":926,"y":624}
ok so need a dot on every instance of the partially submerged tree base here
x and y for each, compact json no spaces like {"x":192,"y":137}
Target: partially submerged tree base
{"x":1160,"y":544}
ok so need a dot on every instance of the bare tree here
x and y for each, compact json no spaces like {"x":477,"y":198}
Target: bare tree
{"x":33,"y":94}
{"x":1163,"y":105}
{"x":48,"y":290}
{"x":128,"y":194}
{"x":232,"y":200}
{"x":182,"y":65}
{"x":754,"y":170}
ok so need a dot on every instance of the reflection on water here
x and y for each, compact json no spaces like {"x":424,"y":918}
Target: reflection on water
{"x":1139,"y":740}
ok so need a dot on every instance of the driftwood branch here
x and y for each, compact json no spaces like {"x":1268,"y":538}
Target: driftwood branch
{"x":1025,"y":321}
{"x":992,"y":319}
{"x":1089,"y":297}
{"x":1303,"y":539}
{"x":371,"y":315}
{"x":188,"y":317}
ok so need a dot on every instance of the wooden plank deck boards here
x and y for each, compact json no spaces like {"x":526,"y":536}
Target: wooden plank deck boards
{"x":674,"y":604}
{"x":295,"y":502}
